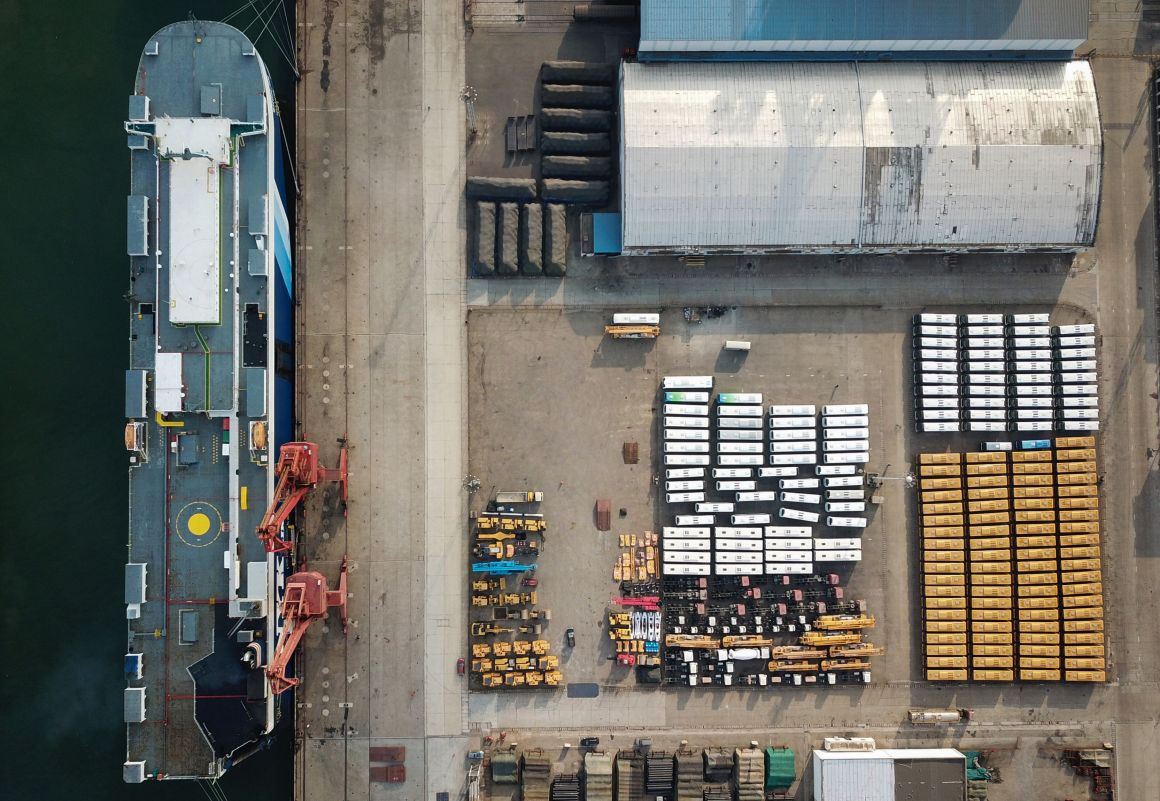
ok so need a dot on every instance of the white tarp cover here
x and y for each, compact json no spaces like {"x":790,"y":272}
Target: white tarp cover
{"x":762,"y":157}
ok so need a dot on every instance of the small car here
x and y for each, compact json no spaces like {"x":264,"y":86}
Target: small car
{"x":589,"y":742}
{"x":475,"y":756}
{"x":461,"y":666}
{"x":530,"y":582}
{"x":570,"y":637}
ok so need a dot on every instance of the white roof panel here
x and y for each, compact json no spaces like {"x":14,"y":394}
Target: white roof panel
{"x":846,"y":156}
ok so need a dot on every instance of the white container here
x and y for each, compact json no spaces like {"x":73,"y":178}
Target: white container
{"x":736,"y":486}
{"x":830,"y":544}
{"x":688,"y":382}
{"x":738,"y":532}
{"x":740,"y":447}
{"x":837,"y":470}
{"x":837,"y":556}
{"x":845,"y":409}
{"x":686,"y":409}
{"x":762,"y":496}
{"x":686,"y":532}
{"x":714,"y":507}
{"x":846,"y":522}
{"x":686,"y":447}
{"x":684,"y":497}
{"x":686,"y":435}
{"x":776,"y":472}
{"x":846,"y":421}
{"x":750,"y":519}
{"x":793,"y":411}
{"x":740,"y":435}
{"x":738,"y":570}
{"x":942,"y":427}
{"x":792,"y":434}
{"x":732,"y":472}
{"x":785,"y":513}
{"x":844,"y":507}
{"x":793,"y":458}
{"x":685,"y":422}
{"x":737,"y":344}
{"x":685,"y":485}
{"x":788,"y":569}
{"x":740,"y":422}
{"x":845,"y":495}
{"x":788,"y":531}
{"x":676,"y":545}
{"x":636,"y":318}
{"x":793,"y":446}
{"x":669,"y":569}
{"x":740,"y":460}
{"x":720,"y":544}
{"x":840,"y":445}
{"x":986,"y":425}
{"x":686,"y":557}
{"x":793,"y":422}
{"x":789,"y":556}
{"x":862,"y":433}
{"x":695,"y":520}
{"x":685,"y":459}
{"x":788,"y":544}
{"x":849,"y":457}
{"x":740,"y":411}
{"x":843,"y":481}
{"x":799,"y":483}
{"x":685,"y":472}
{"x":800,"y":497}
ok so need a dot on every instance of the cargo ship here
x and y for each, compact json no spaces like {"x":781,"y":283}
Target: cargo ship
{"x":208,"y":395}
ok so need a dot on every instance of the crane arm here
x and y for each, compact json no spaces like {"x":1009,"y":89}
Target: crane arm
{"x":307,"y":599}
{"x":298,"y":472}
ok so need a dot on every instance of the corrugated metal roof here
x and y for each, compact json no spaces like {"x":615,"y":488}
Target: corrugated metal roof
{"x":869,"y":778}
{"x":845,"y":156}
{"x":863,"y":24}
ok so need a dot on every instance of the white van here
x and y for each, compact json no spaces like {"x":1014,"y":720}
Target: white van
{"x":684,"y":497}
{"x":789,"y":555}
{"x":799,"y":483}
{"x":845,"y":495}
{"x":760,"y":496}
{"x":848,"y":457}
{"x":793,"y":458}
{"x":684,"y":485}
{"x":786,"y":513}
{"x":750,"y":520}
{"x":842,"y":445}
{"x":793,"y":411}
{"x":792,"y":422}
{"x":736,"y":486}
{"x":686,"y":435}
{"x":740,"y":422}
{"x":740,"y":411}
{"x":776,"y":472}
{"x":801,"y":497}
{"x":686,"y":447}
{"x":849,"y":433}
{"x":846,"y":421}
{"x":688,"y":382}
{"x":685,"y":459}
{"x":740,"y":447}
{"x":783,"y":434}
{"x":686,"y":422}
{"x":740,"y":460}
{"x":845,"y":409}
{"x":740,"y":435}
{"x":832,"y":482}
{"x":713,"y":507}
{"x":837,"y":470}
{"x":685,"y":472}
{"x":987,"y":425}
{"x":695,"y":520}
{"x":846,"y":522}
{"x":939,"y":427}
{"x":845,"y":506}
{"x":799,"y":446}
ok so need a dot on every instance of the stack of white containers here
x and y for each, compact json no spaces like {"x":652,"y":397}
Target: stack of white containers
{"x":685,"y":547}
{"x":985,"y":378}
{"x":1029,"y":345}
{"x":1077,"y":395}
{"x":936,"y":372}
{"x":737,"y":549}
{"x":846,"y":443}
{"x":685,"y":550}
{"x":788,"y":550}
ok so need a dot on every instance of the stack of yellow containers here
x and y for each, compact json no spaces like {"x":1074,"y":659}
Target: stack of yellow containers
{"x":1036,"y":564}
{"x":944,"y":578}
{"x":989,"y":566}
{"x":1079,"y":559}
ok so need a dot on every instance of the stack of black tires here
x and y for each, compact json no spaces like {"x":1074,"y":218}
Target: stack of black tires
{"x":576,"y":102}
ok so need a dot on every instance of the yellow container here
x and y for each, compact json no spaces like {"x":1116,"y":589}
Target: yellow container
{"x":1038,"y":627}
{"x":1028,"y":554}
{"x":991,"y":579}
{"x":1038,"y":566}
{"x":991,"y":555}
{"x":981,"y":627}
{"x":990,"y":567}
{"x":1038,"y":603}
{"x":988,"y":604}
{"x":939,"y":470}
{"x":1073,"y":540}
{"x":940,"y":483}
{"x":946,"y":639}
{"x":943,"y":545}
{"x":1083,"y":626}
{"x":1039,"y":675}
{"x":1081,"y":601}
{"x":945,"y":603}
{"x":1038,"y":663}
{"x":990,"y":531}
{"x":1083,"y":663}
{"x":1034,"y":492}
{"x":1040,"y":590}
{"x":1044,"y":541}
{"x":931,"y":555}
{"x":952,"y":568}
{"x":1035,"y":516}
{"x":944,"y":592}
{"x":945,"y":662}
{"x":1075,"y":455}
{"x":990,"y":518}
{"x":1038,"y":615}
{"x":1066,"y":565}
{"x":1084,"y":650}
{"x":1038,"y":638}
{"x":1031,"y":456}
{"x":1080,"y":576}
{"x":987,"y":591}
{"x":993,"y":675}
{"x":979,"y":649}
{"x":981,"y":638}
{"x":1083,"y":637}
{"x":1034,"y":528}
{"x":942,"y":496}
{"x":1038,"y":650}
{"x":1075,"y":467}
{"x":942,"y":520}
{"x":946,"y":675}
{"x":942,"y":508}
{"x":1074,"y":442}
{"x":1085,"y":675}
{"x":990,"y":615}
{"x":988,"y":494}
{"x":1078,"y":491}
{"x":945,"y":615}
{"x":1038,"y":578}
{"x":988,"y":506}
{"x":1031,"y":481}
{"x":943,"y":531}
{"x":945,"y":626}
{"x":940,"y":580}
{"x":939,"y":458}
{"x":992,"y":662}
{"x":1081,"y":552}
{"x":1078,"y":515}
{"x":1031,"y":468}
{"x":1084,"y":613}
{"x":1034,"y":503}
{"x":975,"y":482}
{"x":987,"y":469}
{"x":1075,"y":478}
{"x":986,"y":457}
{"x":1089,"y":502}
{"x":946,"y":650}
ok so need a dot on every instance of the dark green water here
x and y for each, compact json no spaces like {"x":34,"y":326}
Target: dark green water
{"x":66,"y":71}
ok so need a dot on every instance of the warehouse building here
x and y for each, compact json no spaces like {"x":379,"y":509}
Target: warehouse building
{"x":727,"y":30}
{"x":858,"y":157}
{"x":892,"y":774}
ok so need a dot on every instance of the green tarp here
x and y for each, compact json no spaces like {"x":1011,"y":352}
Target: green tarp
{"x":779,"y":768}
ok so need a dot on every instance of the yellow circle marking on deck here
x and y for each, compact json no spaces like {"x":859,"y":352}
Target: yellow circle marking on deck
{"x":198,"y":524}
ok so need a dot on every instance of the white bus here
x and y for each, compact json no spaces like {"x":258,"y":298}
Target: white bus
{"x":843,"y":481}
{"x":750,"y":519}
{"x":846,"y":421}
{"x":936,"y":319}
{"x":686,"y":422}
{"x":686,"y":485}
{"x":845,"y":409}
{"x":740,"y":460}
{"x":789,"y":555}
{"x":793,"y":422}
{"x":686,"y":397}
{"x":686,"y":435}
{"x":739,"y":397}
{"x":688,"y":382}
{"x":686,"y":459}
{"x":740,"y":422}
{"x":732,"y":472}
{"x":843,"y":445}
{"x":801,"y":497}
{"x":684,"y":497}
{"x":983,"y":319}
{"x":1073,"y":330}
{"x":776,"y":472}
{"x":799,"y":483}
{"x":848,"y":457}
{"x":685,"y":472}
{"x":794,"y":458}
{"x":729,"y":410}
{"x":788,"y":531}
{"x":837,"y":556}
{"x":713,"y":507}
{"x":740,"y":447}
{"x":845,"y":495}
{"x":760,"y":496}
{"x":686,"y":409}
{"x":686,"y":447}
{"x":837,"y":470}
{"x":695,"y":520}
{"x":721,"y":544}
{"x":793,"y":411}
{"x":939,"y":427}
{"x":636,"y":318}
{"x":849,"y":433}
{"x":740,"y":435}
{"x":736,"y":486}
{"x":846,"y":522}
{"x":845,"y":506}
{"x":786,"y":513}
{"x":793,"y":446}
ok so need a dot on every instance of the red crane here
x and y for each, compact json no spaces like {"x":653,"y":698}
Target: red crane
{"x":298,"y":472}
{"x":307,"y":599}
